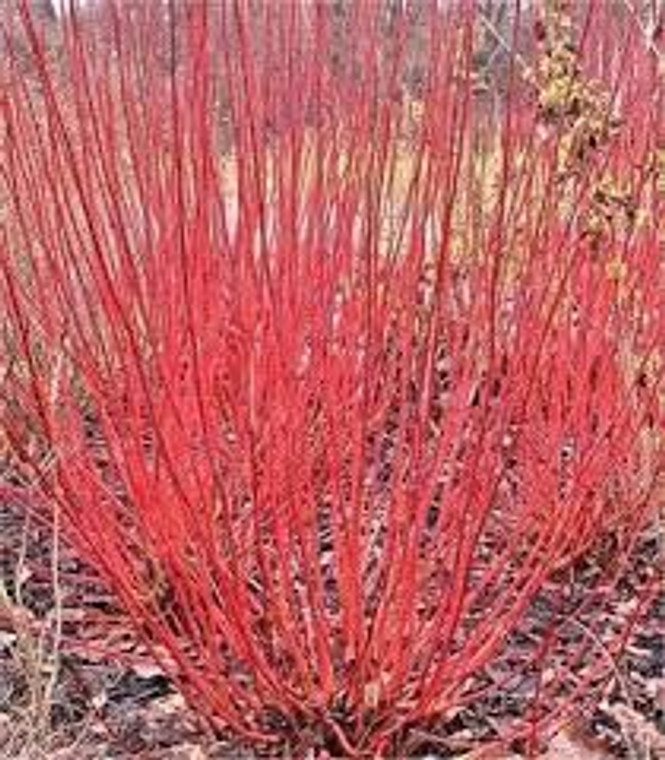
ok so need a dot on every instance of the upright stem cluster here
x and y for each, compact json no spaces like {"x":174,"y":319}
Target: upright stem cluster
{"x":331,"y":375}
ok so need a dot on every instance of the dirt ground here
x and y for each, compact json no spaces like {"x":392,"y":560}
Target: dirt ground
{"x":80,"y":705}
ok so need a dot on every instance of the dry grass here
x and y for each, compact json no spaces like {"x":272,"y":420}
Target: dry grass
{"x":34,"y":645}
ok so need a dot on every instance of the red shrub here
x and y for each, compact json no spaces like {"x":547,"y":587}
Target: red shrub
{"x":340,"y":366}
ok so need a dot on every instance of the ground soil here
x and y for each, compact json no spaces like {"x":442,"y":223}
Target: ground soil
{"x":126,"y":708}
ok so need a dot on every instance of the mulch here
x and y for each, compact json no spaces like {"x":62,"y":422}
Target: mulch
{"x":127,"y":708}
